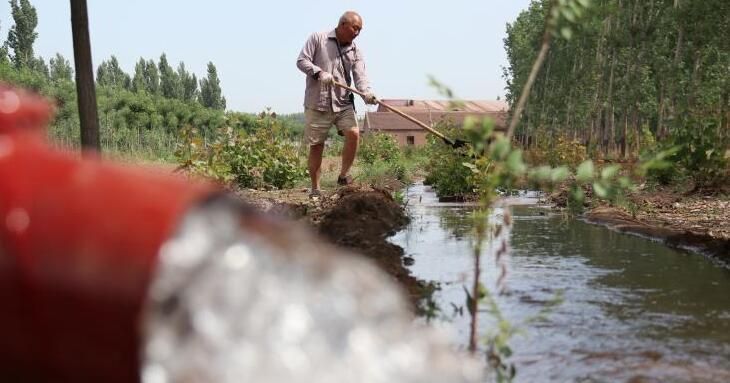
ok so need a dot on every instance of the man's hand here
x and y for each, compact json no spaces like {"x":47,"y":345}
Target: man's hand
{"x":326,"y":78}
{"x":370,"y":98}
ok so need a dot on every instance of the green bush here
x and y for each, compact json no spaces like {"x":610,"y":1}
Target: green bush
{"x":694,"y":152}
{"x":702,"y":151}
{"x":556,"y":150}
{"x":260,"y":160}
{"x":333,"y":146}
{"x":445,"y":167}
{"x":567,"y":152}
{"x":381,"y":172}
{"x":379,"y":146}
{"x":669,"y":174}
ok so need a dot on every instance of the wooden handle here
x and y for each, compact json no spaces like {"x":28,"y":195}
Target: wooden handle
{"x":396,"y":111}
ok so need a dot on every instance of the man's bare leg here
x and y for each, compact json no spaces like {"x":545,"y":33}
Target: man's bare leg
{"x":315,"y":164}
{"x":352,"y":139}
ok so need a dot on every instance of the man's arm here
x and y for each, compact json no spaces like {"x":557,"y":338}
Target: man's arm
{"x":361,"y":78}
{"x":305,"y":61}
{"x":359,"y":75}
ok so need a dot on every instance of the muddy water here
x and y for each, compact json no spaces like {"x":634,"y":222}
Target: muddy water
{"x":633,"y":309}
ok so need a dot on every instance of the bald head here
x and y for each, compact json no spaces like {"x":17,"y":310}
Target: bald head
{"x":350,"y":17}
{"x":349,"y":27}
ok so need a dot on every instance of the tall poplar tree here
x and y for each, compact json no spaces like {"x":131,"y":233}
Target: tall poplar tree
{"x":146,"y":77}
{"x":39,"y":66}
{"x":22,"y":35}
{"x":188,"y":84}
{"x":60,"y":69}
{"x":111,"y":74}
{"x":138,"y":81}
{"x":4,"y":53}
{"x":151,"y":77}
{"x":170,"y":86}
{"x":210,"y":90}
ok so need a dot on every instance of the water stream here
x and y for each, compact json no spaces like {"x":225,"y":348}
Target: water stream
{"x":634,"y":310}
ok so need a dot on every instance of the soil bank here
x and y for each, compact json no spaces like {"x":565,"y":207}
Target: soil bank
{"x":699,"y":223}
{"x":357,"y":218}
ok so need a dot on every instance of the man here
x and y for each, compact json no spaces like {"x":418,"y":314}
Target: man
{"x":328,"y":57}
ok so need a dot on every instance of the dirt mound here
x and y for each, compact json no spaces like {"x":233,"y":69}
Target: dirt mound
{"x":361,"y":221}
{"x":356,"y":217}
{"x":364,"y":214}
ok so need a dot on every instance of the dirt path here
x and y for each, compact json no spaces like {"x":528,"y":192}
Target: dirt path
{"x":357,"y":218}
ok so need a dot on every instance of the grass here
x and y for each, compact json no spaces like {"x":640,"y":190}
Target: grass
{"x":124,"y":145}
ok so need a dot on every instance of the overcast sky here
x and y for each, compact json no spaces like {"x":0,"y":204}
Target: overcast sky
{"x":254,"y":45}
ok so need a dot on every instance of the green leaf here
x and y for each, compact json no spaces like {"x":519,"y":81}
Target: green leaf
{"x":487,"y":126}
{"x":600,"y":190}
{"x":576,"y":8}
{"x":481,"y":290}
{"x":584,"y":173}
{"x":541,"y":173}
{"x":469,"y":123}
{"x":474,"y":169}
{"x":578,"y":195}
{"x":515,"y":164}
{"x":568,"y":14}
{"x":500,"y":148}
{"x":624,"y":182}
{"x":505,"y":351}
{"x":566,"y":32}
{"x":555,"y":12}
{"x":559,"y":174}
{"x":610,"y":171}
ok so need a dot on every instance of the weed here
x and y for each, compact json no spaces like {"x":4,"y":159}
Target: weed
{"x":378,"y":146}
{"x":261,"y":159}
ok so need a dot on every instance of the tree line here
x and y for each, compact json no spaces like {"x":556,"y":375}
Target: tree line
{"x":142,"y":114}
{"x":154,"y":78}
{"x":161,"y":79}
{"x":146,"y":108}
{"x":632,"y":73}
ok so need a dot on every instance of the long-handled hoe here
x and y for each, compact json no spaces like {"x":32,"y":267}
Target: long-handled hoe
{"x":453,"y":143}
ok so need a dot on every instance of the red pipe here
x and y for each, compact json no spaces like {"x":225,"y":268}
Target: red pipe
{"x":79,"y":242}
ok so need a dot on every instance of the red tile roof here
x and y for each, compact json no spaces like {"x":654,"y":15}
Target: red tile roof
{"x":477,"y":106}
{"x":389,"y":121}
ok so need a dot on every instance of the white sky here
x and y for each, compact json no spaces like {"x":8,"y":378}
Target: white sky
{"x":254,"y":45}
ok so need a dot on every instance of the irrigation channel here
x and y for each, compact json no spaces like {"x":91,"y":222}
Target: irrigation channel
{"x":633,"y":310}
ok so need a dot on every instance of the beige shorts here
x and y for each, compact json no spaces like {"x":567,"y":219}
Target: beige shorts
{"x":318,"y":123}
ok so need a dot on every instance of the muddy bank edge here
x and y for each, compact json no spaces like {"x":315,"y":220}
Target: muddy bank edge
{"x":717,"y":249}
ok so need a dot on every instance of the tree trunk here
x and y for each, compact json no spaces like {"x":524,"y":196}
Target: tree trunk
{"x":725,"y":115}
{"x":85,"y":86}
{"x":623,"y":136}
{"x":609,"y":98}
{"x":674,"y":89}
{"x":661,"y":130}
{"x":694,"y":78}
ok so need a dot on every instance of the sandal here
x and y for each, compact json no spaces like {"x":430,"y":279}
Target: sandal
{"x":315,"y":194}
{"x":344,"y":181}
